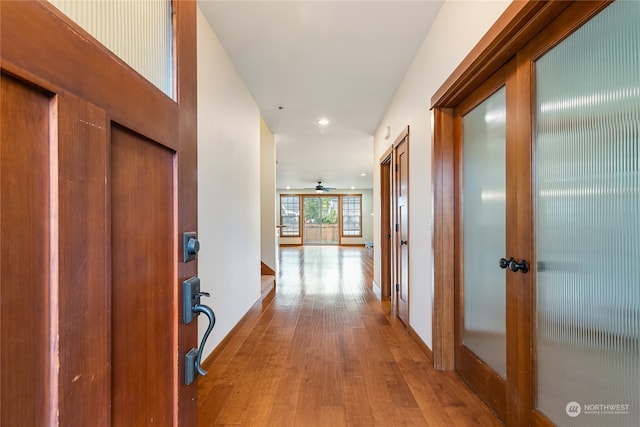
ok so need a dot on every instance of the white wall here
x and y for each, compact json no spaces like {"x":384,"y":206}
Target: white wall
{"x":228,"y":187}
{"x":456,"y":30}
{"x":268,"y":249}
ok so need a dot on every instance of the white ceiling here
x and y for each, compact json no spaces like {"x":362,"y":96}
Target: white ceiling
{"x":339,"y":60}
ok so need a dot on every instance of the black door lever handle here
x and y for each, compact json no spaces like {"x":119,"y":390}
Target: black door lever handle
{"x":201,"y":308}
{"x":191,"y":295}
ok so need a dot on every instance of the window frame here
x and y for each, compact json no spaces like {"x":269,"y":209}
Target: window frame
{"x":283,"y":226}
{"x":342,"y":215}
{"x":300,"y":197}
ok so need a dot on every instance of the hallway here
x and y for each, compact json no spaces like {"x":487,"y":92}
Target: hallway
{"x":323,"y":351}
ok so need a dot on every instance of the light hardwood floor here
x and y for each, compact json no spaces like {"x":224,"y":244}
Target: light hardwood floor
{"x":324,"y":351}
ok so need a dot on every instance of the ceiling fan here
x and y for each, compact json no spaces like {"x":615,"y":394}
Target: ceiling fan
{"x":320,"y":188}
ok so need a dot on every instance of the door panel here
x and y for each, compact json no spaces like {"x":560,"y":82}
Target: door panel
{"x":25,"y":253}
{"x":142,"y":226}
{"x":482,"y":240}
{"x":402,"y":243}
{"x":84,"y":261}
{"x":587,"y":210}
{"x":484,"y":231}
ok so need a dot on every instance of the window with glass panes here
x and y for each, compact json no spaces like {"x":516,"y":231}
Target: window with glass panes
{"x":351,"y":216}
{"x":290,"y":216}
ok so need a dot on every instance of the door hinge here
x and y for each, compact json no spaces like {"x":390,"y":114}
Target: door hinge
{"x":396,"y":167}
{"x":397,"y":227}
{"x":397,"y":287}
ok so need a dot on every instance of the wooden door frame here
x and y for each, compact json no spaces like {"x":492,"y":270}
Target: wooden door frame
{"x":385,"y":224}
{"x":517,"y":26}
{"x":388,"y":219}
{"x":185,"y":42}
{"x":22,"y":40}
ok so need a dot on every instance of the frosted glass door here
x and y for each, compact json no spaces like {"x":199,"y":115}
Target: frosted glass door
{"x":587,"y":222}
{"x":483,"y":216}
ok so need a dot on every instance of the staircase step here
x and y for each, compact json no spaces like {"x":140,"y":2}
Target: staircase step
{"x":268,"y":284}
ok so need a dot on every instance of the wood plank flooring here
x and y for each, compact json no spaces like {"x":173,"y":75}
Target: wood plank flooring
{"x":324,"y":351}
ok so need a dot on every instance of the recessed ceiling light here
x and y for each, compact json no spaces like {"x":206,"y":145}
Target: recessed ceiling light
{"x":353,"y":188}
{"x":288,"y":187}
{"x":323,"y":122}
{"x":363,"y":174}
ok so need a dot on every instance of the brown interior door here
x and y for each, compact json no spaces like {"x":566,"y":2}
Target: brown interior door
{"x":98,"y":184}
{"x":402,"y":221}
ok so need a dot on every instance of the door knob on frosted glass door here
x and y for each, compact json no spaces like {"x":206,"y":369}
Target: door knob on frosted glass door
{"x":504,"y":263}
{"x":522,"y":266}
{"x":515,"y":266}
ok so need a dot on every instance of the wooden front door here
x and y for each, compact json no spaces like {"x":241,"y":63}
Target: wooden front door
{"x":98,"y":184}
